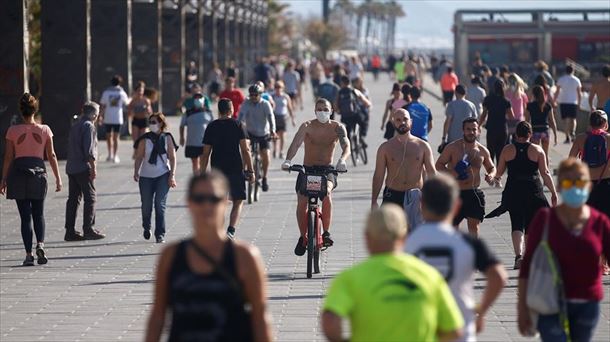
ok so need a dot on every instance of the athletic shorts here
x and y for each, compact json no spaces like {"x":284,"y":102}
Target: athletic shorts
{"x":193,"y":151}
{"x":447,"y":96}
{"x":473,"y":206}
{"x":568,"y":110}
{"x":116,"y":128}
{"x":140,"y":123}
{"x":280,"y":123}
{"x":301,"y":180}
{"x":263,"y":142}
{"x":599,"y":197}
{"x":412,"y":208}
{"x":539,"y":136}
{"x":393,"y":196}
{"x":292,"y":95}
{"x":237,"y":185}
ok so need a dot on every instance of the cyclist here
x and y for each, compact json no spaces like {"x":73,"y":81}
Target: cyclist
{"x":348,"y":102}
{"x":463,"y":160}
{"x":404,"y":158}
{"x":257,"y":115}
{"x":320,"y":137}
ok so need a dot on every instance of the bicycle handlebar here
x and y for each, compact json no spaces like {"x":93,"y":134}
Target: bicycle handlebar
{"x":301,"y":169}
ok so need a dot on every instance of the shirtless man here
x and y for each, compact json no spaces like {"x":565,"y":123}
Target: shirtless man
{"x":463,"y":160}
{"x":601,"y":88}
{"x":320,"y":137}
{"x":403,"y":159}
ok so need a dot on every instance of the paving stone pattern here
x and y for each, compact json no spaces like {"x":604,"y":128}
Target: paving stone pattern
{"x":102,"y":290}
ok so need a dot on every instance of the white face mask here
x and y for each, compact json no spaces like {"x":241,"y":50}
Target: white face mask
{"x":323,"y":117}
{"x":154,"y":128}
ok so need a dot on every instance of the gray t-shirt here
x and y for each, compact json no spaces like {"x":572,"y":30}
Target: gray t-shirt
{"x":258,"y":117}
{"x":82,"y":147}
{"x":458,"y":110}
{"x":196,"y":124}
{"x":291,"y":81}
{"x":476,"y":95}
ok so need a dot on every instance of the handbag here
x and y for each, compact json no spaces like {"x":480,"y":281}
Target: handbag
{"x":545,"y":293}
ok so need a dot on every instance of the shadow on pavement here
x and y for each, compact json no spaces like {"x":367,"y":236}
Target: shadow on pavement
{"x":145,"y":281}
{"x":295,"y":297}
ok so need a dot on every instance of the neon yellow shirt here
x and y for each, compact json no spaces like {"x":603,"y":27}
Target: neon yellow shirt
{"x":399,"y":69}
{"x":394,"y":297}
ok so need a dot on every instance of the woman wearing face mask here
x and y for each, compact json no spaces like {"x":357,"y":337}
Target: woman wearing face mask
{"x":207,"y":281}
{"x":578,"y":235}
{"x":155,"y":170}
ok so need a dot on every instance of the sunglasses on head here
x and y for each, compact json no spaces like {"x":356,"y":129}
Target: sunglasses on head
{"x":569,"y":183}
{"x":205,"y":198}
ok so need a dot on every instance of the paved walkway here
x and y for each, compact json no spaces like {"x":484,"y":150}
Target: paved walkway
{"x":102,"y":290}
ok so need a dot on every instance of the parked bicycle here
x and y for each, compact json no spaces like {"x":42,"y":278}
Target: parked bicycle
{"x":315,"y":189}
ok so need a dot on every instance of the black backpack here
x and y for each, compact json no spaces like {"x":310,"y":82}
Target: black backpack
{"x":595,"y":152}
{"x":347,"y":102}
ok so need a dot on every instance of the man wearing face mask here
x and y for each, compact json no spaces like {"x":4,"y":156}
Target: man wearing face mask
{"x":257,"y":115}
{"x":320,"y":137}
{"x":401,"y":162}
{"x":463,"y":160}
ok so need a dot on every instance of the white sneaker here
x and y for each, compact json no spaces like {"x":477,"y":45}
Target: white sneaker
{"x":116,"y":159}
{"x":109,"y":158}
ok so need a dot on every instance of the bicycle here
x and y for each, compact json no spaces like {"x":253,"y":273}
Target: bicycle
{"x":254,"y":188}
{"x":315,"y":187}
{"x":358,"y":149}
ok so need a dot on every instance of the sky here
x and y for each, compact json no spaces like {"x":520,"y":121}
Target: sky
{"x":428,"y":22}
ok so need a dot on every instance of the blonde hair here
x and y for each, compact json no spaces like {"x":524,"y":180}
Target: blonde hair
{"x":571,"y":165}
{"x":162,"y":120}
{"x":387,"y":223}
{"x":514,"y":79}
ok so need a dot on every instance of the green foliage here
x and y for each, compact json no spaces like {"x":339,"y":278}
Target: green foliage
{"x":325,"y":36}
{"x":35,"y":51}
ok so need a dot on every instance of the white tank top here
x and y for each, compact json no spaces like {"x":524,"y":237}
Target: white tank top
{"x":160,"y":168}
{"x":281,"y":105}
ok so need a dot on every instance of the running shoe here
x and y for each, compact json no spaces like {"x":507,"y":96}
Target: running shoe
{"x":109,"y":158}
{"x":300,"y":249}
{"x":326,"y":240}
{"x":42,"y":258}
{"x":73,"y":236}
{"x":265,"y":185}
{"x":518,"y":260}
{"x":160,"y":239}
{"x":147,"y":234}
{"x":231,"y":233}
{"x":93,"y":235}
{"x":29,"y":260}
{"x":117,"y":159}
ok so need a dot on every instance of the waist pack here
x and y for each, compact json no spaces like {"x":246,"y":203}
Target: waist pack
{"x":461,"y":168}
{"x":595,"y":152}
{"x":545,"y":293}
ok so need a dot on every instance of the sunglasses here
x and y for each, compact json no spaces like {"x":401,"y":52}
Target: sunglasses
{"x":205,"y":198}
{"x":152,"y":122}
{"x":254,"y":95}
{"x":569,"y":183}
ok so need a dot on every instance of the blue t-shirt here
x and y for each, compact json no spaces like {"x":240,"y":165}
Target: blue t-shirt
{"x":420,"y":117}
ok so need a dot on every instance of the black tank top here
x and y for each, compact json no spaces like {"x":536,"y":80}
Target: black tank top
{"x":207,"y":307}
{"x":521,"y":168}
{"x":539,"y":117}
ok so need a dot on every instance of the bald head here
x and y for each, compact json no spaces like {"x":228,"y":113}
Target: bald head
{"x":401,"y":119}
{"x":386,"y":229}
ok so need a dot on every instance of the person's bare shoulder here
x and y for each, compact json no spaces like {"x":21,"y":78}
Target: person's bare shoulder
{"x":246,"y":253}
{"x":483,"y":149}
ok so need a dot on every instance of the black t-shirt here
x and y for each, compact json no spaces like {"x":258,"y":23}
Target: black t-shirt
{"x":496,"y":112}
{"x":224,"y":136}
{"x":540,"y":118}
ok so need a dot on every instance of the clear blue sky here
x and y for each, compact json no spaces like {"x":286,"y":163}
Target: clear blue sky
{"x":428,"y":22}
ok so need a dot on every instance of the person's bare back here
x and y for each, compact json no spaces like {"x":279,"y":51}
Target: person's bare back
{"x":320,"y":142}
{"x":601,"y":88}
{"x":404,"y":162}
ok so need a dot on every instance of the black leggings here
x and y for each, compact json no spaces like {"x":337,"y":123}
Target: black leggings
{"x":31,"y":210}
{"x":495,"y":143}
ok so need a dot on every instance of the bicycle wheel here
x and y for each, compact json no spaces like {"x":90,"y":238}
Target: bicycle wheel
{"x":311,"y":241}
{"x":257,"y":184}
{"x":364,"y":157}
{"x":250,"y":192}
{"x":316,"y":252}
{"x":354,"y":149}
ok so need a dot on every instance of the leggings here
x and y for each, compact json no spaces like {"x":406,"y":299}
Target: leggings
{"x":495,"y":143}
{"x":31,"y":210}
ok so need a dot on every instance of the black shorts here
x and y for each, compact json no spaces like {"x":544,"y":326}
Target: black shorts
{"x":393,"y":196}
{"x":473,"y":206}
{"x":237,"y":185}
{"x":140,"y":123}
{"x":263,"y":142}
{"x":280,"y":123}
{"x":599,"y":198}
{"x":109,"y":128}
{"x":292,"y":95}
{"x":193,"y":151}
{"x":330,"y":177}
{"x":447,"y":96}
{"x":568,"y":110}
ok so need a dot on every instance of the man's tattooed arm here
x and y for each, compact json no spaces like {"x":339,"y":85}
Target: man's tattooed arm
{"x":343,"y":141}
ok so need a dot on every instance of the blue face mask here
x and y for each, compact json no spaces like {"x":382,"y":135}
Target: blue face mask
{"x":575,"y":197}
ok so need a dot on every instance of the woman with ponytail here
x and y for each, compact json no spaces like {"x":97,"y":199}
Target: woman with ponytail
{"x":24,"y":176}
{"x":540,"y":114}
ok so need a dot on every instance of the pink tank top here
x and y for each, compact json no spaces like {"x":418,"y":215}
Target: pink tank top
{"x":29,"y":139}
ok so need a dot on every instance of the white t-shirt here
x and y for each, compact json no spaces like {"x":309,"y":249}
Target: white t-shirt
{"x":456,"y":256}
{"x":354,"y":70}
{"x":569,"y":89}
{"x":114,"y":99}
